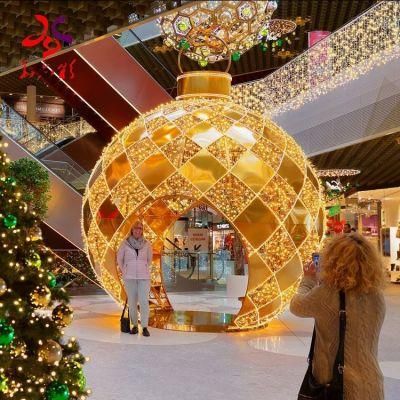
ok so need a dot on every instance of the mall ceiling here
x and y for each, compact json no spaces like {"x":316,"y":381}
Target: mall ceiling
{"x":86,"y":19}
{"x":91,"y":19}
{"x":377,"y":159}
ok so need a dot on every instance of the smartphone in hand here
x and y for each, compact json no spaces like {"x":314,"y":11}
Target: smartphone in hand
{"x":315,"y":260}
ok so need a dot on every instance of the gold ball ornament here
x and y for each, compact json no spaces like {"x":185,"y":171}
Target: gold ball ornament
{"x":63,"y":315}
{"x":41,"y":297}
{"x":18,"y":348}
{"x":204,"y":148}
{"x":3,"y":286}
{"x":50,"y":352}
{"x":24,"y":206}
{"x":34,"y":260}
{"x":35,"y":233}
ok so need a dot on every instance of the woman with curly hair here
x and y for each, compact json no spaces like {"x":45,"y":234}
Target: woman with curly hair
{"x":349,"y":263}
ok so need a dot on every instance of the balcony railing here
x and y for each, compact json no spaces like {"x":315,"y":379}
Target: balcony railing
{"x":13,"y":125}
{"x":70,"y":128}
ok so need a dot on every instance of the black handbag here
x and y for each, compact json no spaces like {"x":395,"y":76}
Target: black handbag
{"x":125,"y":322}
{"x":310,"y":388}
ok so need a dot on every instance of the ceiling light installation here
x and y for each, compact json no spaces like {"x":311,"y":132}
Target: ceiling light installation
{"x":199,"y":28}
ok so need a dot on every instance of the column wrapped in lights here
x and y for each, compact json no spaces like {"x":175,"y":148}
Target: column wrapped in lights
{"x":370,"y":40}
{"x":204,"y":148}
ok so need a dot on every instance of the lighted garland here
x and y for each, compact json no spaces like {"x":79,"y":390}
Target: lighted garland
{"x":371,"y":40}
{"x":337,"y":172}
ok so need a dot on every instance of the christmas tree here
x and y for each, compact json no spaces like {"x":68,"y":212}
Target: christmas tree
{"x":36,"y":360}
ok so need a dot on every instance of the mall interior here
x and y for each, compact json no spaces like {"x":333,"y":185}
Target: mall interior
{"x":243,"y":135}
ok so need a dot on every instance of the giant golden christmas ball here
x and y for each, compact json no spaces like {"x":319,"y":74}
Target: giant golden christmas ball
{"x":205,"y":149}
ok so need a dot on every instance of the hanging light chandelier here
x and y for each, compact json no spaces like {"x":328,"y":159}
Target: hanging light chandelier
{"x":240,"y":24}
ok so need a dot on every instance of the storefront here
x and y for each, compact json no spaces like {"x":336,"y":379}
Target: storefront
{"x":202,"y":246}
{"x":376,"y":215}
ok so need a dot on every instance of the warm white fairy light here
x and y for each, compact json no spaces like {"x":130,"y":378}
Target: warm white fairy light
{"x":371,"y":40}
{"x":334,"y":173}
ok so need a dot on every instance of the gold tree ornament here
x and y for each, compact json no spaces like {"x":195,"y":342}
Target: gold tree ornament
{"x":18,"y":348}
{"x":3,"y":286}
{"x":50,"y":352}
{"x":35,"y":233}
{"x":41,"y":296}
{"x":63,"y":315}
{"x":204,"y":149}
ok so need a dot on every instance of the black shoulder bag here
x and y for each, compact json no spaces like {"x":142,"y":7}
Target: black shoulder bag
{"x":310,"y":388}
{"x":125,"y":323}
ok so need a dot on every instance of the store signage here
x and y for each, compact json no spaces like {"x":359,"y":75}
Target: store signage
{"x":316,"y":36}
{"x":42,"y":109}
{"x":198,"y":239}
{"x":50,"y":44}
{"x":319,"y":66}
{"x":223,"y":226}
{"x":202,"y":207}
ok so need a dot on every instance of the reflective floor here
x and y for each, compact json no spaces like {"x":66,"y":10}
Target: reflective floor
{"x":191,"y":321}
{"x":265,"y":364}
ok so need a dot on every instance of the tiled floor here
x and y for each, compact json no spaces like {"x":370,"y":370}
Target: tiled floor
{"x":266,"y":364}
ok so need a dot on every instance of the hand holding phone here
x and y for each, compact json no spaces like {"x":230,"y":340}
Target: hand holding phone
{"x":315,"y":260}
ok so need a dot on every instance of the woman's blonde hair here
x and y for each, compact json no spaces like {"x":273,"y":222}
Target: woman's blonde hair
{"x":138,"y":222}
{"x":351,"y":262}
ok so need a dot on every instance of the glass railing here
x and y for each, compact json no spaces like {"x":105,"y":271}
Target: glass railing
{"x":136,"y":41}
{"x":16,"y":127}
{"x":73,"y":127}
{"x":72,"y":268}
{"x":370,"y":40}
{"x":178,"y":265}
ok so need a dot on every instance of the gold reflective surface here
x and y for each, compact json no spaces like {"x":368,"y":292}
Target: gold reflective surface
{"x":191,"y":321}
{"x":117,"y":169}
{"x":289,"y":274}
{"x":256,"y":222}
{"x":259,"y":272}
{"x":154,"y":170}
{"x":203,"y":170}
{"x":241,"y":134}
{"x":292,"y":174}
{"x":134,"y":135}
{"x":165,"y":134}
{"x":253,"y":171}
{"x":204,"y":134}
{"x":204,"y":83}
{"x":214,"y":152}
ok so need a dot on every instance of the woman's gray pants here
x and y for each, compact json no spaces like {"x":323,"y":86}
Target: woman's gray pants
{"x":138,"y":292}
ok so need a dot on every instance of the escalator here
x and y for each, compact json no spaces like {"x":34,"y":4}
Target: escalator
{"x":62,"y":228}
{"x":67,"y":178}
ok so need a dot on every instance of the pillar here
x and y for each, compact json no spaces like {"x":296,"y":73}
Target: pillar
{"x":31,"y":103}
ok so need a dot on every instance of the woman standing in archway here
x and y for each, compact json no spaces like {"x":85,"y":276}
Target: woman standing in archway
{"x":134,"y":259}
